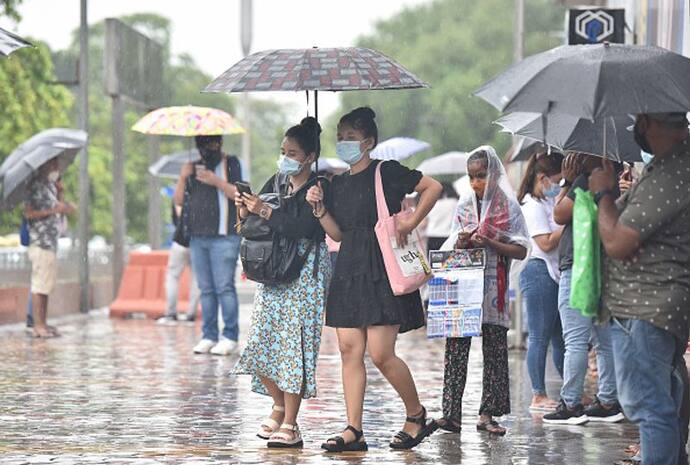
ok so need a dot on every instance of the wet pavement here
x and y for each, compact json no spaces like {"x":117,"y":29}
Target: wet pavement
{"x":129,"y":391}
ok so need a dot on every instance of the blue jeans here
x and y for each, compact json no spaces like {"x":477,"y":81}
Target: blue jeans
{"x":648,"y":364}
{"x":540,"y":294}
{"x":577,"y":332}
{"x":214,"y":259}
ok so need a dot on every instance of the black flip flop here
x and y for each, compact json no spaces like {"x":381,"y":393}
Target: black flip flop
{"x":405,"y":441}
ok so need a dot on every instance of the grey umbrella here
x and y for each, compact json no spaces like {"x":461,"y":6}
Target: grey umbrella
{"x":20,"y":166}
{"x":524,"y":148}
{"x":10,"y":42}
{"x":593,"y":81}
{"x":569,"y":133}
{"x":169,"y":166}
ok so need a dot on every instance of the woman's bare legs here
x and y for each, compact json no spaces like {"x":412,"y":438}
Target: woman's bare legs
{"x":381,"y":341}
{"x":352,"y":343}
{"x":278,"y":400}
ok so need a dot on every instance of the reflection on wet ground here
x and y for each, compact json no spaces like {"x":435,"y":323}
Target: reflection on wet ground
{"x":128,"y":391}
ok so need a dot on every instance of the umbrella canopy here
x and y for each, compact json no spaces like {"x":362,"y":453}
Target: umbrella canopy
{"x":524,"y":148}
{"x":593,"y":81}
{"x":331,"y":165}
{"x":398,"y":148}
{"x":335,"y":69}
{"x":188,"y":121}
{"x":10,"y":42}
{"x":169,"y":166}
{"x":569,"y":133}
{"x":18,"y":169}
{"x":450,"y":163}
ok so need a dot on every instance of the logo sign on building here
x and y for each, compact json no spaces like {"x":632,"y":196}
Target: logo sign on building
{"x":596,"y":25}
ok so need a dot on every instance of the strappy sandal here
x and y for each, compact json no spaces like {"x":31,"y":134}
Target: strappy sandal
{"x":406,"y":441}
{"x":269,"y":424}
{"x":452,"y":426}
{"x":338,"y":444}
{"x":491,"y":427}
{"x":280,"y":440}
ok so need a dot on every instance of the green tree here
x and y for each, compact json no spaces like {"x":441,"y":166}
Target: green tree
{"x":455,"y":46}
{"x":29,"y":103}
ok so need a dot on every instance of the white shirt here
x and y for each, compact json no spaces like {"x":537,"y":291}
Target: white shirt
{"x":539,"y":217}
{"x":440,"y":218}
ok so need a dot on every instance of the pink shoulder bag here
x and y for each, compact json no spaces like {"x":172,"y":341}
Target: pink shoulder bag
{"x":407,"y":267}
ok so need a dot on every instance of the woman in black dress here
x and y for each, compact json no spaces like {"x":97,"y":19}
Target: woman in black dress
{"x":361,"y":305}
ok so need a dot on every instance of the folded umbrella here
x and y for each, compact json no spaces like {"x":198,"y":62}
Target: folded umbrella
{"x":399,"y":148}
{"x":10,"y":42}
{"x":20,"y":166}
{"x":569,"y":133}
{"x":593,"y":81}
{"x":446,"y":164}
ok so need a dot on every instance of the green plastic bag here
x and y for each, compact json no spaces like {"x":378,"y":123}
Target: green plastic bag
{"x":585,"y":290}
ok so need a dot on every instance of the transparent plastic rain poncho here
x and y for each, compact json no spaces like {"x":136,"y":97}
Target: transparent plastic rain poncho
{"x":497,"y":216}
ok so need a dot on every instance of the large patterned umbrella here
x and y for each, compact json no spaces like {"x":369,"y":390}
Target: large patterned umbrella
{"x":10,"y":42}
{"x":315,"y":69}
{"x":187,"y":121}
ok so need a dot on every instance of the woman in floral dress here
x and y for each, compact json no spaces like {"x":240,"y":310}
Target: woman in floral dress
{"x":285,"y":334}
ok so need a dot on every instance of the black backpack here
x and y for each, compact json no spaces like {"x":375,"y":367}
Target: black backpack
{"x":268,"y":257}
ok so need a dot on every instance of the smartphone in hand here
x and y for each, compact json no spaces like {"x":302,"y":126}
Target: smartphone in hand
{"x":243,"y":188}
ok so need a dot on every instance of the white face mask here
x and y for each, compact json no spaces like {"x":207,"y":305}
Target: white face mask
{"x":53,"y":176}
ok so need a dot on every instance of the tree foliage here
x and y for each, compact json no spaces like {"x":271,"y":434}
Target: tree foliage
{"x":455,"y":46}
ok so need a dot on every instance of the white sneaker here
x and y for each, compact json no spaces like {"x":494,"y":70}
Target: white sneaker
{"x":167,"y":320}
{"x":204,"y":346}
{"x":225,"y":347}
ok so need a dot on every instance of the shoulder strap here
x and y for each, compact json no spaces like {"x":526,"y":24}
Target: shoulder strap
{"x":381,"y":205}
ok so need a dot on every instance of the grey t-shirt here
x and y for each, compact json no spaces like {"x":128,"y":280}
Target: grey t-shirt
{"x":44,"y":232}
{"x":654,"y":285}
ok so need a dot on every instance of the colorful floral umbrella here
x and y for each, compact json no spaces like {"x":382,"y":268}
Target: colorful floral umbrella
{"x":10,"y":42}
{"x":188,"y":121}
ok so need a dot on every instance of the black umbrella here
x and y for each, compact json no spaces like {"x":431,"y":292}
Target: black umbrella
{"x":569,"y":133}
{"x":594,"y":81}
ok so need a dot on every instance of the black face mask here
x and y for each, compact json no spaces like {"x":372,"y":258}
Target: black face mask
{"x":211,"y":158}
{"x":641,"y":139}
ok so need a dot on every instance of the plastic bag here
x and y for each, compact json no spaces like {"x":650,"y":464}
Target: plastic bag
{"x":585,"y":290}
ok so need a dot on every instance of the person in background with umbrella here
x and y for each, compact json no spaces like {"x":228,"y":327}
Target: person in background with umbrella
{"x":43,"y":209}
{"x":209,"y":187}
{"x":646,"y":286}
{"x":539,"y":278}
{"x":577,"y":328}
{"x":361,"y":305}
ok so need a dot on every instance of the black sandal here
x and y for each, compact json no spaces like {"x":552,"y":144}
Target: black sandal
{"x":405,"y":441}
{"x":338,"y":443}
{"x":452,"y":426}
{"x":492,"y":427}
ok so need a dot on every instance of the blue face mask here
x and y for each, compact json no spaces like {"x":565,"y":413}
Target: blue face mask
{"x":289,"y":166}
{"x":552,"y":191}
{"x":647,"y":158}
{"x":349,"y":151}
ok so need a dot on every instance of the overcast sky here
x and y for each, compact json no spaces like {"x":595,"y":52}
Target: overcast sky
{"x":209,"y":29}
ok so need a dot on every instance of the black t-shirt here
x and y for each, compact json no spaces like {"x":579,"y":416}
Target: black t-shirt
{"x":565,"y":247}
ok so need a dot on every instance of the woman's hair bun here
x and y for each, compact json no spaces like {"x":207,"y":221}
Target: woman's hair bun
{"x":311,"y":124}
{"x":364,"y":112}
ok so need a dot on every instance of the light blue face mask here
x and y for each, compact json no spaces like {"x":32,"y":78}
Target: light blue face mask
{"x":552,"y":191}
{"x":289,"y":166}
{"x":349,"y":151}
{"x":647,"y":158}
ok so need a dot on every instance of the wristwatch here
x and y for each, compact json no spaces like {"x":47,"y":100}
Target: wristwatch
{"x":601,"y":194}
{"x":265,"y":212}
{"x":564,"y":183}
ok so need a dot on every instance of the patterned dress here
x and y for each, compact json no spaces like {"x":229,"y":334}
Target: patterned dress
{"x":285,"y":332}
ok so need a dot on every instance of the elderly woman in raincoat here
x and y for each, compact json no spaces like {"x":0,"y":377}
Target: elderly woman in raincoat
{"x":488,"y":216}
